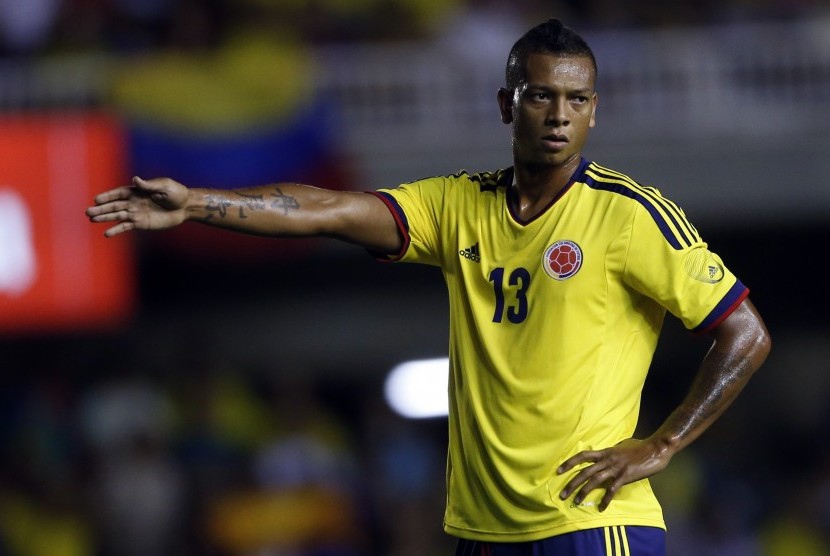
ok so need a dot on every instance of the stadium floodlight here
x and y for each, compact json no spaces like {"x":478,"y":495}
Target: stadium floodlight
{"x":418,"y":389}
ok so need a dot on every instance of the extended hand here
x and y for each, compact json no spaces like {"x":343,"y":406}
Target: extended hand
{"x":146,"y":205}
{"x":627,"y":462}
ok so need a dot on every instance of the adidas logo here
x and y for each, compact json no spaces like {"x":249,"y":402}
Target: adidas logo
{"x":471,"y":253}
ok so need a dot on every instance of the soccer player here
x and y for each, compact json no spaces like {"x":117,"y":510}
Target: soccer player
{"x":560,"y":272}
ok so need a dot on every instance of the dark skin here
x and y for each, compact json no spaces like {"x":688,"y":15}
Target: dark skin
{"x":551,"y":113}
{"x":741,"y":344}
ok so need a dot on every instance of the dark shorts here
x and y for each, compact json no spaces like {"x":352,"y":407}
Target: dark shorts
{"x":604,"y":541}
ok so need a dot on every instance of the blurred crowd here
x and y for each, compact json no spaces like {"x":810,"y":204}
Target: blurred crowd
{"x":109,"y":449}
{"x":125,"y":26}
{"x":108,"y":458}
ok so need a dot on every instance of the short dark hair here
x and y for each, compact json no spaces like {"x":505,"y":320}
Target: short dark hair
{"x":550,"y":37}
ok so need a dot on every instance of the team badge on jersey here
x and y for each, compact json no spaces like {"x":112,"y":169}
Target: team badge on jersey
{"x":562,"y":259}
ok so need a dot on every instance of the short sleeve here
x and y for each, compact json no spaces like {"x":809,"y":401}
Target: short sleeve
{"x":682,"y":275}
{"x":416,"y":207}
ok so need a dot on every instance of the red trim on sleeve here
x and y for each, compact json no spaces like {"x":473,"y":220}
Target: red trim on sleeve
{"x":728,"y":311}
{"x":400,"y":221}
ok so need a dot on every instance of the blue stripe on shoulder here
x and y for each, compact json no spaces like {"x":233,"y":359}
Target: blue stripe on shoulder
{"x":627,"y":191}
{"x":648,"y":198}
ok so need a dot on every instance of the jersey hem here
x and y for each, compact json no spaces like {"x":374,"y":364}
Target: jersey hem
{"x":528,"y":536}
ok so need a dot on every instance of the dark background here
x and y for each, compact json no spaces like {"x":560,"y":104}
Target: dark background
{"x":247,"y":386}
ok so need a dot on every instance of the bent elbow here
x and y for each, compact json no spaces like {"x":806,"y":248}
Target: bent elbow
{"x":762,"y":344}
{"x":757,"y":347}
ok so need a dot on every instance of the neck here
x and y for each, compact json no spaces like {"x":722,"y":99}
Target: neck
{"x":536,"y":185}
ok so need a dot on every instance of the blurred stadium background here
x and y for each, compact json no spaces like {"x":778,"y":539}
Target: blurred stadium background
{"x":200,"y":393}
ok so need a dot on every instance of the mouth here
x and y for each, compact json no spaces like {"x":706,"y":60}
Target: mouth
{"x":555,"y":141}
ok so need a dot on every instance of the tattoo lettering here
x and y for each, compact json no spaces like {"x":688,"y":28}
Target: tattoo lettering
{"x":250,"y":202}
{"x":246,"y":204}
{"x":285,"y":202}
{"x":216,"y":205}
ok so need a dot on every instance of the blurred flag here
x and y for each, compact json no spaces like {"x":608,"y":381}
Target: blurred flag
{"x":245,"y":114}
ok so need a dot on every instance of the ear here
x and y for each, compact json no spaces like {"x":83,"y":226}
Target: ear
{"x":595,"y":100}
{"x":505,"y":98}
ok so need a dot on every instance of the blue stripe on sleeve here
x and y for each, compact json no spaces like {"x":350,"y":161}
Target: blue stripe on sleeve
{"x":400,"y":219}
{"x":724,"y":308}
{"x":390,"y":200}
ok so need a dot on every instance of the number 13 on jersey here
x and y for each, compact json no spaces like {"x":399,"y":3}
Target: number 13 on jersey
{"x":510,"y":297}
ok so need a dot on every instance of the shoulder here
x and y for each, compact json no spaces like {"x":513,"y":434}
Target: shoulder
{"x":602,"y":178}
{"x":645,"y":200}
{"x":478,"y":182}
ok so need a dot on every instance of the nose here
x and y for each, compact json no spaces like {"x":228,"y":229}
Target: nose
{"x":558,"y":113}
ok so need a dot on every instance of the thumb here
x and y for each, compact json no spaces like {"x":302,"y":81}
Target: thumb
{"x":165,"y":192}
{"x":159,"y":189}
{"x":141,"y":183}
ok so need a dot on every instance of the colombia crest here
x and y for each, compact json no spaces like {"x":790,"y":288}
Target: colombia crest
{"x":562,"y":259}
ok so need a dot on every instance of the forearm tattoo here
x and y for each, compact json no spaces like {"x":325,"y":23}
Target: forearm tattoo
{"x":285,"y":202}
{"x":246,"y":204}
{"x":215,"y":205}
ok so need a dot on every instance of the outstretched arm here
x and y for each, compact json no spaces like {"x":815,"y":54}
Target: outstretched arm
{"x":742,"y":343}
{"x":279,"y":210}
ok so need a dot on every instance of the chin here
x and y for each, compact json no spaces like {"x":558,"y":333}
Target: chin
{"x":556,"y":161}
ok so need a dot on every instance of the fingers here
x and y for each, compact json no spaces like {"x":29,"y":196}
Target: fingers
{"x":599,"y":475}
{"x":150,"y":185}
{"x":119,"y":216}
{"x":115,"y":203}
{"x":125,"y":223}
{"x":593,"y":478}
{"x":581,"y":457}
{"x":146,"y":204}
{"x":611,"y":469}
{"x":107,"y":211}
{"x":610,"y":492}
{"x":580,"y":478}
{"x":127,"y":191}
{"x":117,"y":194}
{"x":589,"y":478}
{"x":119,"y":229}
{"x":113,"y":206}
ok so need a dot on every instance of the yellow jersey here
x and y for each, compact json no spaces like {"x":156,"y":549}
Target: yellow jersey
{"x":553,"y":324}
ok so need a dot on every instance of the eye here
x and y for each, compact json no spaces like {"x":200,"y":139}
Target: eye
{"x":537,"y":96}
